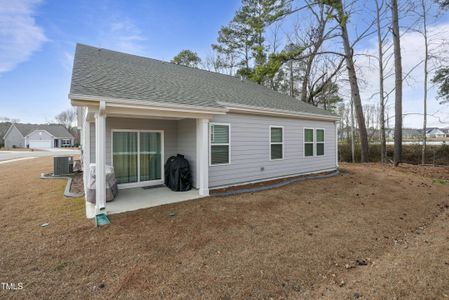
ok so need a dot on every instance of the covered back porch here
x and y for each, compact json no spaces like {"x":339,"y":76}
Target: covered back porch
{"x":137,"y":142}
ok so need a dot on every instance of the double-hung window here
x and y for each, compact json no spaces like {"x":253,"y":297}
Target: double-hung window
{"x":276,"y":142}
{"x":313,"y":142}
{"x":319,"y":142}
{"x":308,"y":142}
{"x":219,"y":144}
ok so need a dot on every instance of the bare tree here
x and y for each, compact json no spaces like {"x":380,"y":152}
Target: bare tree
{"x":398,"y":83}
{"x":380,"y":43}
{"x":342,"y":18}
{"x":352,"y":132}
{"x":11,"y":120}
{"x":423,"y":11}
{"x":66,"y":118}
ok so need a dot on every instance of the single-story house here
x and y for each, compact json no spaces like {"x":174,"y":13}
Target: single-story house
{"x":38,"y":136}
{"x":407,"y":133}
{"x":4,"y":126}
{"x":135,"y":112}
{"x":435,"y":133}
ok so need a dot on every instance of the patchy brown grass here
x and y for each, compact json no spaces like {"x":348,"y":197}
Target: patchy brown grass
{"x":299,"y":241}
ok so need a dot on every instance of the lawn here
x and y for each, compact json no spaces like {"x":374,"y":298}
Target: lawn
{"x":371,"y":232}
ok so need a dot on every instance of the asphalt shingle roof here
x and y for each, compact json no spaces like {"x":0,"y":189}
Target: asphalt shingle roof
{"x":4,"y":126}
{"x":105,"y":73}
{"x":57,"y":130}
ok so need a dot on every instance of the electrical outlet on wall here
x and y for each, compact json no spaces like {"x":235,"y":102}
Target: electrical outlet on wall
{"x":262,"y":169}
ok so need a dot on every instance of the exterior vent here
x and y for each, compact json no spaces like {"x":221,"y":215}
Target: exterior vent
{"x":62,"y":165}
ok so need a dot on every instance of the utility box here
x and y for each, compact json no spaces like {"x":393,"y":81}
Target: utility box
{"x":62,"y":165}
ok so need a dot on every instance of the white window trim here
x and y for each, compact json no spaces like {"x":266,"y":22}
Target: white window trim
{"x":276,"y":143}
{"x":140,"y":183}
{"x":312,"y":142}
{"x":220,"y":144}
{"x":65,"y":142}
{"x":323,"y":142}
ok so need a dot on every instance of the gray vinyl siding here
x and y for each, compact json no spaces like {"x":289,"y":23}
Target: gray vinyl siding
{"x":187,"y":143}
{"x":14,"y":138}
{"x":250,"y":149}
{"x":44,"y":136}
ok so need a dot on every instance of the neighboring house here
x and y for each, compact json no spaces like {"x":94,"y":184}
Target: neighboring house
{"x":435,"y":133}
{"x":135,"y":112}
{"x":407,"y":133}
{"x":411,"y":133}
{"x":4,"y":126}
{"x":37,"y":136}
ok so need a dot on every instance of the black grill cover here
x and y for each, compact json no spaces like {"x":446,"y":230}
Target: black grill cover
{"x":177,"y":174}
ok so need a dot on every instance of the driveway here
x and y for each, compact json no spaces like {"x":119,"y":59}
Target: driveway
{"x":18,"y":155}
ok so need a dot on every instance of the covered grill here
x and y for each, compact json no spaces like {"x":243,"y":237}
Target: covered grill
{"x":178,"y":176}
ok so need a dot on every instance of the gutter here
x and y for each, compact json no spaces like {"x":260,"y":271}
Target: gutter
{"x":132,"y":103}
{"x":226,"y":107}
{"x":241,"y":108}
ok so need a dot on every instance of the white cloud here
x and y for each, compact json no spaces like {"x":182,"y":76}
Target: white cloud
{"x":122,"y":35}
{"x":412,"y":46}
{"x":20,"y":36}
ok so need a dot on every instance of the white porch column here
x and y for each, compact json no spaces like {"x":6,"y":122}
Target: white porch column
{"x":85,"y":146}
{"x":202,"y":136}
{"x":100,"y":158}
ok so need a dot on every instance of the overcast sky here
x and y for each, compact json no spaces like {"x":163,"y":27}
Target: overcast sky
{"x":37,"y":42}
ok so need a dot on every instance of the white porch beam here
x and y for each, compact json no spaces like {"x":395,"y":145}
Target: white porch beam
{"x":202,"y":136}
{"x":100,"y":158}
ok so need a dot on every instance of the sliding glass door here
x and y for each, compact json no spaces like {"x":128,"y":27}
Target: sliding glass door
{"x":150,"y":156}
{"x":137,"y":156}
{"x":125,"y":156}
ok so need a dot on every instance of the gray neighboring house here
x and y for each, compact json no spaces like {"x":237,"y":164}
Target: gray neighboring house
{"x":135,"y":112}
{"x":38,"y":136}
{"x":435,"y":133}
{"x":4,"y":126}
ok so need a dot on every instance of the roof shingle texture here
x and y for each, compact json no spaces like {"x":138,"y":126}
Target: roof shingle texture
{"x":4,"y":126}
{"x":57,"y":130}
{"x":105,"y":73}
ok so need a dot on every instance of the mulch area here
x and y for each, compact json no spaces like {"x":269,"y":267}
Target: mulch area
{"x":371,"y":232}
{"x":77,"y":183}
{"x":265,"y":183}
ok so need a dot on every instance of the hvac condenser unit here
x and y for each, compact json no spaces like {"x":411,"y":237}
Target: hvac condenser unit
{"x":62,"y":165}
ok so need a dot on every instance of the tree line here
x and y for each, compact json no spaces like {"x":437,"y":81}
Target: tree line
{"x":314,"y":57}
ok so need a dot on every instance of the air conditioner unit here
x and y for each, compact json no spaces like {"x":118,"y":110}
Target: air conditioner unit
{"x":62,"y":165}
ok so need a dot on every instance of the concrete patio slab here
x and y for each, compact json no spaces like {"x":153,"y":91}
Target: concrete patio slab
{"x":138,"y":198}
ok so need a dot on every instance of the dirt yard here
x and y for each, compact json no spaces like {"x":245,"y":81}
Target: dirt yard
{"x":371,"y":232}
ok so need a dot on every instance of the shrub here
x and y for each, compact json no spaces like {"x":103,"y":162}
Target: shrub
{"x":435,"y":154}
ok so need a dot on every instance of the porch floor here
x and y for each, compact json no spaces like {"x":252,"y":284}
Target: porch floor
{"x":138,"y":198}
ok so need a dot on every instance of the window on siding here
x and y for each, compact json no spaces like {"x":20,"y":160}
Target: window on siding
{"x":320,"y":142}
{"x":276,"y":142}
{"x":219,"y":144}
{"x":308,"y":142}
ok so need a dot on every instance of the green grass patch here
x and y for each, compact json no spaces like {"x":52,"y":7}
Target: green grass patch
{"x":440,"y":181}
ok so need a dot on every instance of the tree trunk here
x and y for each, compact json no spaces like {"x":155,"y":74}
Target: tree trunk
{"x":398,"y":84}
{"x":426,"y":73}
{"x":355,"y":93}
{"x":352,"y":132}
{"x":292,"y":88}
{"x":383,"y":142}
